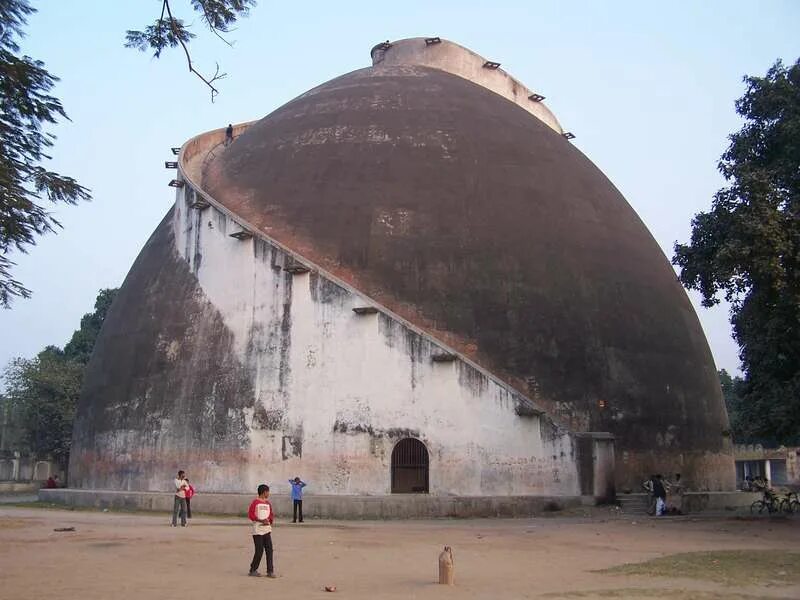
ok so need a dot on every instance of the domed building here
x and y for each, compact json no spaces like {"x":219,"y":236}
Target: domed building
{"x":406,"y":280}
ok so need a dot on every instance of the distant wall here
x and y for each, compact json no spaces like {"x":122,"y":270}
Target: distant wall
{"x":695,"y":502}
{"x":16,"y":487}
{"x":17,"y":468}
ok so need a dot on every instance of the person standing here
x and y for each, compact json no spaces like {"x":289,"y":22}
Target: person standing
{"x":229,"y":135}
{"x":660,"y":494}
{"x":651,"y":498}
{"x":678,"y":485}
{"x":297,"y":498}
{"x":261,"y":515}
{"x":179,"y":504}
{"x":189,"y":496}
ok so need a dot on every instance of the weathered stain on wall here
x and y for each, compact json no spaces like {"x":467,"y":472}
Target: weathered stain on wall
{"x":164,"y":388}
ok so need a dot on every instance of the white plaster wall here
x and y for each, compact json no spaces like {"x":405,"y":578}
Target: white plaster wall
{"x":455,"y":59}
{"x":336,"y":391}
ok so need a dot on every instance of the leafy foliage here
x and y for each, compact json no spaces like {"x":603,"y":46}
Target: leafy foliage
{"x":166,"y":33}
{"x":732,"y":392}
{"x":80,"y":346}
{"x":219,"y":15}
{"x":25,"y":107}
{"x":42,"y":393}
{"x":169,"y":32}
{"x":747,"y":250}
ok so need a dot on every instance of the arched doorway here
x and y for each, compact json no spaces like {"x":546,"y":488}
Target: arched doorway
{"x":410,"y":467}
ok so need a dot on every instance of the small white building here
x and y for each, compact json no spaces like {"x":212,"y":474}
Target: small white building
{"x":780,"y":466}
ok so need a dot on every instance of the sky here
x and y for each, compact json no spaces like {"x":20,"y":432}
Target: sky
{"x":648,"y":88}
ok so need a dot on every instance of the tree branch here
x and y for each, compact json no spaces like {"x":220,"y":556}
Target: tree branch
{"x":209,"y":82}
{"x":212,"y":27}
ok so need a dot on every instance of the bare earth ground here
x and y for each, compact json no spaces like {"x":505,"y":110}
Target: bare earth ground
{"x":126,"y":555}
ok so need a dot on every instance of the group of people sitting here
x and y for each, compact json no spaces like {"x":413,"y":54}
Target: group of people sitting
{"x":759,"y":484}
{"x":755,"y":484}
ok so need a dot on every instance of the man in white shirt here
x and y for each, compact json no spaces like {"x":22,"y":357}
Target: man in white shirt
{"x":179,"y":505}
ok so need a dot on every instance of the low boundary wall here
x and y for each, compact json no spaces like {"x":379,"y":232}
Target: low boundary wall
{"x":16,"y":487}
{"x":696,"y":502}
{"x":325,"y":506}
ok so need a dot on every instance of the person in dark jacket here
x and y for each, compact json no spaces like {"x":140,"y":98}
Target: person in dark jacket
{"x":658,"y":494}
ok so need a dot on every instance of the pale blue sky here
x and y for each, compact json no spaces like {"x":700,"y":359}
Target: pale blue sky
{"x":648,"y":88}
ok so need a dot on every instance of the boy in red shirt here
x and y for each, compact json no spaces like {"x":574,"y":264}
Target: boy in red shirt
{"x":260,"y":513}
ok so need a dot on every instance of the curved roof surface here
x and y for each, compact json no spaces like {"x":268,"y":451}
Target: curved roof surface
{"x":458,"y":60}
{"x":456,"y":209}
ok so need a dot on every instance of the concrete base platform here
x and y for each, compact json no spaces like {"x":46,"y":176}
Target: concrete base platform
{"x":409,"y":506}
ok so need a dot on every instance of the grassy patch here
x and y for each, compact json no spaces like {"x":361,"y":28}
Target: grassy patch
{"x":730,"y":567}
{"x":654,"y":592}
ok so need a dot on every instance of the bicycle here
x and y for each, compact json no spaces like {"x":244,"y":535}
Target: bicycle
{"x":768,"y":503}
{"x":790,"y":503}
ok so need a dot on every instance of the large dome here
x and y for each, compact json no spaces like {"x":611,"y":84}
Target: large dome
{"x":405,"y":280}
{"x":468,"y":217}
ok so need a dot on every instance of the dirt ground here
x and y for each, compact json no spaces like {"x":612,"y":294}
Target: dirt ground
{"x":125,"y":556}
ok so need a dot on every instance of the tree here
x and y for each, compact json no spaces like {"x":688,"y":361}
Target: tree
{"x":42,"y":393}
{"x":747,"y":250}
{"x":732,"y":390}
{"x":169,"y":31}
{"x":80,"y":346}
{"x":25,"y":107}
